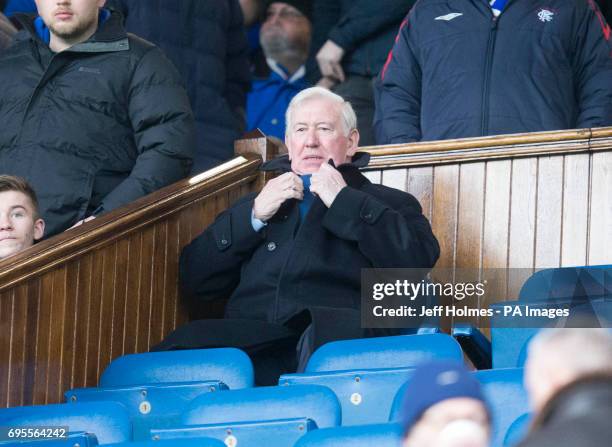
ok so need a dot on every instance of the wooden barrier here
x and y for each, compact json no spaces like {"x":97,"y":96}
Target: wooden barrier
{"x":71,"y":304}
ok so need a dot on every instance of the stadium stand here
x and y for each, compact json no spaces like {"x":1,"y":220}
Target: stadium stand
{"x":365,"y":374}
{"x":109,"y":288}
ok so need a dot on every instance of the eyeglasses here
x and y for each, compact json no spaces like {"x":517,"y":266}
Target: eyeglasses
{"x":285,"y":12}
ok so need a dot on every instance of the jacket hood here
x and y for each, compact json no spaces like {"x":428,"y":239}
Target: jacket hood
{"x":283,"y":164}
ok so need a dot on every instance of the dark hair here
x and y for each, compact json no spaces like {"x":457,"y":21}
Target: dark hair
{"x":13,"y":183}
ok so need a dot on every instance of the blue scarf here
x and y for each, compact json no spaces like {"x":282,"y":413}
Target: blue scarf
{"x":45,"y":35}
{"x":308,"y":197}
{"x":497,"y":6}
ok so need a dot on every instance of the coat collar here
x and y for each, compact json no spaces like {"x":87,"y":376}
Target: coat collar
{"x":110,"y":36}
{"x":350,"y":171}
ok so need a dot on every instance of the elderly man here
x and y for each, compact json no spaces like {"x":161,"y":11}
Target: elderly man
{"x":20,"y":224}
{"x":92,"y":117}
{"x":569,"y":379}
{"x":290,"y":257}
{"x":285,"y":39}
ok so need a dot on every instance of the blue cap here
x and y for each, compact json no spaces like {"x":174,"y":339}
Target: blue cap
{"x":434,"y":382}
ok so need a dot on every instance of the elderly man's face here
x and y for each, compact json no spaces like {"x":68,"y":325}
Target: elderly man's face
{"x":285,"y":29}
{"x":70,"y":19}
{"x":18,"y":224}
{"x":317,"y":135}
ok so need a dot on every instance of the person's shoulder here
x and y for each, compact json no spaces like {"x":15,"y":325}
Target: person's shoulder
{"x":139,"y":46}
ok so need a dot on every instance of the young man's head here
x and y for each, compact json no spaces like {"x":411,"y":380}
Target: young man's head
{"x":558,"y":357}
{"x":20,"y":224}
{"x":69,"y":21}
{"x":444,"y":407}
{"x":285,"y":33}
{"x":321,"y":126}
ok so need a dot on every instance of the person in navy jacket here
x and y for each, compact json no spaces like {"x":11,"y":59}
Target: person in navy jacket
{"x":465,"y":69}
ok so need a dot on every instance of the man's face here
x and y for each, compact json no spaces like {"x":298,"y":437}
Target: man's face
{"x":70,"y":19}
{"x":317,"y":135}
{"x":18,"y":226}
{"x":285,"y":29}
{"x":430,"y":428}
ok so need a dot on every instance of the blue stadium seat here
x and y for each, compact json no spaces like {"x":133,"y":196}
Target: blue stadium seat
{"x":277,"y":433}
{"x":401,"y":351}
{"x":365,"y":374}
{"x":156,"y":405}
{"x":507,"y":398}
{"x":580,"y":287}
{"x":258,"y":416}
{"x":108,"y":421}
{"x":193,"y":442}
{"x":585,"y":282}
{"x":228,"y":365}
{"x":378,"y":435}
{"x":75,"y":439}
{"x":265,"y":404}
{"x":510,"y":339}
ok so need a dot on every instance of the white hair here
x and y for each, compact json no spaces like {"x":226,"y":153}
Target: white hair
{"x":577,"y":351}
{"x":349,"y":119}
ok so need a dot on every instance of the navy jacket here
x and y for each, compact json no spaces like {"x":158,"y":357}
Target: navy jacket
{"x":93,"y":127}
{"x":456,"y":71}
{"x":207,"y":42}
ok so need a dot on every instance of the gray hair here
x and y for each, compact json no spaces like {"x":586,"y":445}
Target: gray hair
{"x":579,"y":351}
{"x":349,"y":119}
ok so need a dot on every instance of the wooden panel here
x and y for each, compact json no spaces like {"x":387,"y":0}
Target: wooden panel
{"x":495,"y":234}
{"x":600,"y":228}
{"x":574,"y":226}
{"x":420,"y":185}
{"x":549,"y":211}
{"x":444,"y":214}
{"x":395,"y":178}
{"x":470,"y":215}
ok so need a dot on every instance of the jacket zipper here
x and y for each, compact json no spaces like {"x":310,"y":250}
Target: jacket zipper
{"x":487,"y":77}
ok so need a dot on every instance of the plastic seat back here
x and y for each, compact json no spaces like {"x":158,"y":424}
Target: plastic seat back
{"x":401,"y":351}
{"x":507,"y":397}
{"x":314,"y":402}
{"x":228,"y":365}
{"x":155,"y":405}
{"x":379,"y":435}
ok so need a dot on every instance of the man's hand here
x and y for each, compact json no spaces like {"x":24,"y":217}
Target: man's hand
{"x":327,"y":183}
{"x":328,"y":58}
{"x":275,"y":192}
{"x":327,"y":83}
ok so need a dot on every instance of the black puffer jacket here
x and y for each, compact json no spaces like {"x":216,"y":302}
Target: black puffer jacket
{"x":457,"y":72}
{"x":207,"y":42}
{"x":93,"y":127}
